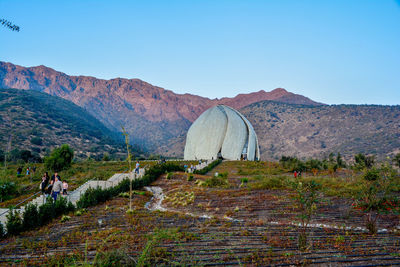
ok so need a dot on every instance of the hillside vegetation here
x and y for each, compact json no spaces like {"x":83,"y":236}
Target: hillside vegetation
{"x":38,"y":122}
{"x":315,"y":131}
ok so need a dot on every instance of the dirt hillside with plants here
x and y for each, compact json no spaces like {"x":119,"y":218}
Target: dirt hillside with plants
{"x":250,"y":213}
{"x":38,"y":122}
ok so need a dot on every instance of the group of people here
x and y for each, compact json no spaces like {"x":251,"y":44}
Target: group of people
{"x":53,"y":186}
{"x":29,"y":170}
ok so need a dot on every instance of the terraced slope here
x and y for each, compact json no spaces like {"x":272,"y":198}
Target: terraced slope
{"x":227,"y":226}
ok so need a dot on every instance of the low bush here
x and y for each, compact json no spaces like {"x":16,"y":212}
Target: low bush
{"x":34,"y":216}
{"x":30,"y":217}
{"x":269,"y":182}
{"x":169,"y":175}
{"x":14,"y":222}
{"x":7,"y":190}
{"x":46,"y":211}
{"x":221,"y":180}
{"x":2,"y":232}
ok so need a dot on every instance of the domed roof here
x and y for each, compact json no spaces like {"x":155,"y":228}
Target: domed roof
{"x":221,"y":130}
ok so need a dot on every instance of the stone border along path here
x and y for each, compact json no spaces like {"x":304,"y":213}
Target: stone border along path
{"x":75,"y":195}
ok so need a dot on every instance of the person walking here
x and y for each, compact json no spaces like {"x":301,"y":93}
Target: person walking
{"x":44,"y":183}
{"x":57,"y":188}
{"x":65,"y":187}
{"x":137,"y":167}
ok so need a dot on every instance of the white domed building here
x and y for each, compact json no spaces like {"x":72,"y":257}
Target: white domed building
{"x":221,"y":131}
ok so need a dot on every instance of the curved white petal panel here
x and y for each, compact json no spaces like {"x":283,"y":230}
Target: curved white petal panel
{"x":206,"y":135}
{"x":236,"y":135}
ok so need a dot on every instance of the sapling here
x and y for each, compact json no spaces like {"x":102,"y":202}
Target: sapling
{"x":130,"y":166}
{"x":374,"y":197}
{"x":306,"y":198}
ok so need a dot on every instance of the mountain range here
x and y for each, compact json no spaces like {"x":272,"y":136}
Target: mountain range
{"x":158,"y":119}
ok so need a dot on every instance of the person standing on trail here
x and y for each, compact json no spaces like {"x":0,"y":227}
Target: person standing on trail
{"x":137,"y":167}
{"x":19,"y":170}
{"x":295,"y":174}
{"x":44,"y":183}
{"x":57,"y":188}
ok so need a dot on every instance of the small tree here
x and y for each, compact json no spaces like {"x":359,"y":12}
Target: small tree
{"x":2,"y":232}
{"x":339,"y":161}
{"x":306,"y":199}
{"x":60,"y":158}
{"x":14,"y":222}
{"x":30,"y":217}
{"x":124,"y":133}
{"x":363,"y":161}
{"x":374,"y":197}
{"x":106,"y":157}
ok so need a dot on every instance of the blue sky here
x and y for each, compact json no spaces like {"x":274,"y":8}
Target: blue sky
{"x":342,"y":51}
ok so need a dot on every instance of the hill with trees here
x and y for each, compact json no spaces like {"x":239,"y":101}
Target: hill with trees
{"x":316,"y":131}
{"x":37,"y":122}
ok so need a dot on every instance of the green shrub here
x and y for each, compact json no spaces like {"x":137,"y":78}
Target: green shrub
{"x":293,"y":164}
{"x":60,"y":158}
{"x":30,"y":217}
{"x":169,"y":175}
{"x":269,"y":182}
{"x":65,"y":218}
{"x":14,"y":222}
{"x":46,"y":211}
{"x":70,"y":207}
{"x":60,"y":206}
{"x":372,"y":175}
{"x":217,"y":181}
{"x":37,"y":141}
{"x":115,"y":257}
{"x":7,"y":190}
{"x":2,"y":232}
{"x":190,"y":177}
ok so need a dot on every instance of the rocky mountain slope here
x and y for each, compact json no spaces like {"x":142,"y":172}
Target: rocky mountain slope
{"x":159,"y":119}
{"x":38,"y":122}
{"x":305,"y":131}
{"x":153,"y":116}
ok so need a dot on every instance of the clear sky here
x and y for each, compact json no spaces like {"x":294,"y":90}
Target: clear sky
{"x":342,"y":51}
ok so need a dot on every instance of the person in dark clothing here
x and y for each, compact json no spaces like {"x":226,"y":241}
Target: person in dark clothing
{"x":19,"y":170}
{"x":49,"y":188}
{"x":45,"y":182}
{"x":54,"y":176}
